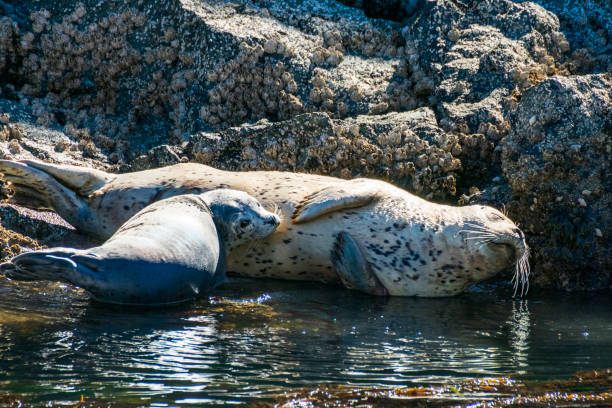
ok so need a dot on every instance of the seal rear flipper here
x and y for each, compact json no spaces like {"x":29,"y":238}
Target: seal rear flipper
{"x":81,"y":180}
{"x":39,"y":189}
{"x":40,"y":265}
{"x":56,"y":265}
{"x":357,"y":193}
{"x":352,"y":267}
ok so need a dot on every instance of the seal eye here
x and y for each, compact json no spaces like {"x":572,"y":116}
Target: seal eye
{"x":495,"y":217}
{"x":244,"y":223}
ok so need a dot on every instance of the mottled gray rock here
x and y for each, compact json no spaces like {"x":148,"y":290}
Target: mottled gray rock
{"x":477,"y":52}
{"x":587,"y":25}
{"x":159,"y":156}
{"x":407,"y":148}
{"x":557,"y":160}
{"x":21,"y":138}
{"x":148,"y":72}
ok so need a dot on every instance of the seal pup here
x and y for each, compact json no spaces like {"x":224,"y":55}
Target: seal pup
{"x":367,"y":233}
{"x":167,"y":253}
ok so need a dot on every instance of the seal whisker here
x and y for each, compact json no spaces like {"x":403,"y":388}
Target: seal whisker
{"x":480,"y":234}
{"x":477,"y":227}
{"x":521,"y":274}
{"x":477,"y":232}
{"x":524,"y":261}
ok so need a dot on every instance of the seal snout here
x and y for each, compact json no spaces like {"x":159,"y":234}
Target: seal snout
{"x":515,"y":241}
{"x":273,"y":220}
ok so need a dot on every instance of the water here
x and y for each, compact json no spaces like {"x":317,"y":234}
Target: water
{"x":259,"y":338}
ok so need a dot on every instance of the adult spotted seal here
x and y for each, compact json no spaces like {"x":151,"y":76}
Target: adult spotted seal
{"x":167,"y":253}
{"x":370,"y":235}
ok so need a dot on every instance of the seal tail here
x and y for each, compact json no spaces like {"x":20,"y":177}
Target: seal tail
{"x":51,"y":265}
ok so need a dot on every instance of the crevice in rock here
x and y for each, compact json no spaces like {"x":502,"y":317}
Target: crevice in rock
{"x":394,"y":10}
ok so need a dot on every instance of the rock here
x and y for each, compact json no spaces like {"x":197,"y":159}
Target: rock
{"x":478,"y":51}
{"x":557,"y":159}
{"x":159,"y":156}
{"x":587,"y":26}
{"x":60,"y":145}
{"x":407,"y":148}
{"x":126,"y":73}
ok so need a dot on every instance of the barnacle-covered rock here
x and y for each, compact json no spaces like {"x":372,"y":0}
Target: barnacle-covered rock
{"x":482,"y":51}
{"x":23,"y":138}
{"x":159,"y":156}
{"x":407,"y":148}
{"x":588,"y":32}
{"x":127,"y":73}
{"x":557,"y":160}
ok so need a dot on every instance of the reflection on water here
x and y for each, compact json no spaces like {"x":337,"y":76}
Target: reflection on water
{"x":519,"y":324}
{"x":259,"y":338}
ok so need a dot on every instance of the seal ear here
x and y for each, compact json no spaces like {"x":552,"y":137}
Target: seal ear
{"x":356,"y":193}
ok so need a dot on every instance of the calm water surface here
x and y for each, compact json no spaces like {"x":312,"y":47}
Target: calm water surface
{"x":259,"y":338}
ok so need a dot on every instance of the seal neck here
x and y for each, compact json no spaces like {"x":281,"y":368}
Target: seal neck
{"x":219,"y":212}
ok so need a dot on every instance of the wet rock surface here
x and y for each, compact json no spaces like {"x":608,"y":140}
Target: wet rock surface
{"x":557,"y":158}
{"x":495,"y":101}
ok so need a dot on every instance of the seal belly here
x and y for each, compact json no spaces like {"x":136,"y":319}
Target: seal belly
{"x":293,"y":252}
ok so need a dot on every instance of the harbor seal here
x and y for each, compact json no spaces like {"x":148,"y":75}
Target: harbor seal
{"x":167,"y":253}
{"x":368,"y":234}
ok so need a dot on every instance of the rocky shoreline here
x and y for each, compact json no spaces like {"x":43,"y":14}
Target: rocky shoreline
{"x":496,"y":101}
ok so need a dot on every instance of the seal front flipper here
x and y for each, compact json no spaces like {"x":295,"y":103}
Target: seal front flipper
{"x":352,"y":267}
{"x":356,"y":193}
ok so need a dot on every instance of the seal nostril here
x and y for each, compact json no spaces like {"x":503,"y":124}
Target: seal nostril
{"x":273,"y":221}
{"x":518,"y":232}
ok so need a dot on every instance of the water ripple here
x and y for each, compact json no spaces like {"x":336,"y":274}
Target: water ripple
{"x":251,"y":342}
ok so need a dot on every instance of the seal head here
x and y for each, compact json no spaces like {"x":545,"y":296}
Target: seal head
{"x":491,"y":236}
{"x":239,"y":217}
